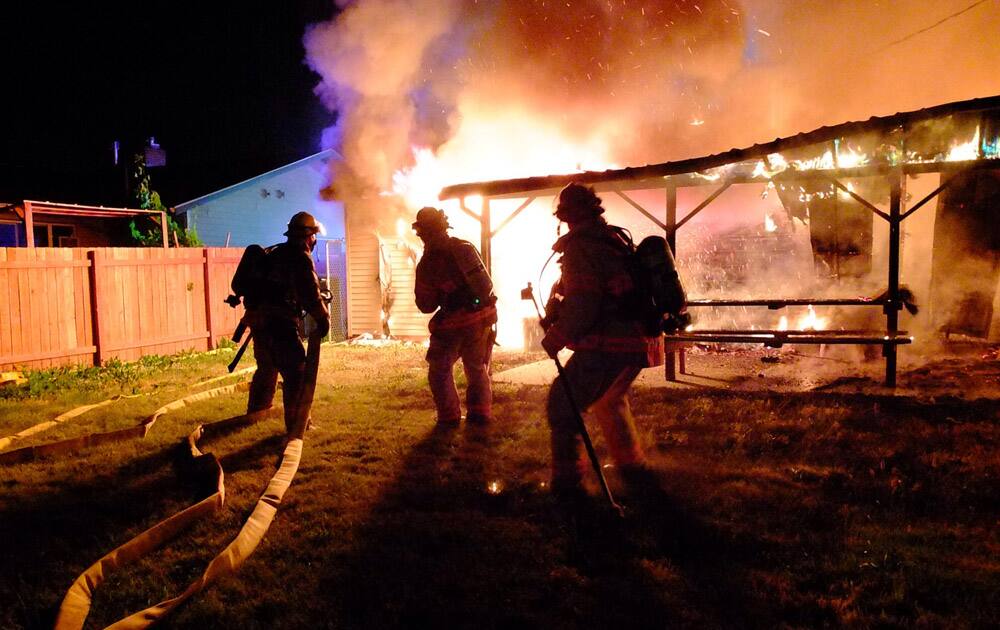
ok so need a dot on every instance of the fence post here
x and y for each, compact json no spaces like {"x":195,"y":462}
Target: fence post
{"x":208,"y":298}
{"x":95,"y":308}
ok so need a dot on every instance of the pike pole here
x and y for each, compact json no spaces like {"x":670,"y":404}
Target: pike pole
{"x":580,"y":425}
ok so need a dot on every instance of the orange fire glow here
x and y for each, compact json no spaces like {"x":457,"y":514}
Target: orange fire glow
{"x":517,"y":147}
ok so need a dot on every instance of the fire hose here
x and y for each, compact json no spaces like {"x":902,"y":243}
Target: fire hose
{"x":76,"y":604}
{"x":529,"y":293}
{"x":70,"y":445}
{"x":61,"y":418}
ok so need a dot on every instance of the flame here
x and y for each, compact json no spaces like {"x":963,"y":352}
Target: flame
{"x":769,"y":224}
{"x":968,"y":150}
{"x":518,"y":145}
{"x":402,"y":228}
{"x":810,"y":321}
{"x":844,"y":194}
{"x":494,"y":487}
{"x":774,"y":164}
{"x":850,"y":158}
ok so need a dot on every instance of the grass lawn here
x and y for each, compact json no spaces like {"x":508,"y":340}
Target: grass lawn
{"x":797,"y":510}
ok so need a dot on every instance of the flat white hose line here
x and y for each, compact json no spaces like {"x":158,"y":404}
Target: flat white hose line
{"x":245,"y":371}
{"x":70,"y":445}
{"x":63,"y":417}
{"x":79,"y":411}
{"x":76,"y":604}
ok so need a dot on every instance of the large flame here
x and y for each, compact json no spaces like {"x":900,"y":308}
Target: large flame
{"x":491,"y":147}
{"x":968,"y":150}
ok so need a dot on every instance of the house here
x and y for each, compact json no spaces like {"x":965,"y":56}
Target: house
{"x":44,"y":224}
{"x":256,"y":211}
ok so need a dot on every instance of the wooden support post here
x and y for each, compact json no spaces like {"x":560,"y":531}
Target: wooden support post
{"x":672,"y":217}
{"x":485,"y":236}
{"x":671,"y":236}
{"x":29,"y":224}
{"x":95,"y":307}
{"x":209,"y":301}
{"x":896,"y":184}
{"x":163,"y":227}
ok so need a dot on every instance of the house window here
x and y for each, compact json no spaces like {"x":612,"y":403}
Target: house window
{"x":11,"y":234}
{"x":54,"y":235}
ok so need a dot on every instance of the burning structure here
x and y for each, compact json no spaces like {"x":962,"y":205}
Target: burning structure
{"x":428,"y":94}
{"x":819,"y":177}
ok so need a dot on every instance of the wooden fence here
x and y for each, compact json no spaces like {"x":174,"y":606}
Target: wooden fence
{"x":62,"y":306}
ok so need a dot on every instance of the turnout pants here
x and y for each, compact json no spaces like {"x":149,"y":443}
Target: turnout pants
{"x":472,"y":345}
{"x":278,"y":350}
{"x":599,"y":382}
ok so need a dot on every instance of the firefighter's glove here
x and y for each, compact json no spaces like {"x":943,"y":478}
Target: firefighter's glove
{"x":546,"y":322}
{"x":552,"y":308}
{"x":552,"y":344}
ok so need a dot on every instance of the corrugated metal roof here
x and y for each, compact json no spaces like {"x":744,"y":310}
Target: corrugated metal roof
{"x":698,"y":164}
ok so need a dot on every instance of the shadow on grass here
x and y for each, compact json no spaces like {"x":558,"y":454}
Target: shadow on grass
{"x":433,"y":549}
{"x":447,"y":545}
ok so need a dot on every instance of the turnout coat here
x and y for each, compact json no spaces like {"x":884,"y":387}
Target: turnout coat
{"x":595,"y":284}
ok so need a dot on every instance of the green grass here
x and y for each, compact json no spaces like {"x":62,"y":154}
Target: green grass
{"x":770,"y":510}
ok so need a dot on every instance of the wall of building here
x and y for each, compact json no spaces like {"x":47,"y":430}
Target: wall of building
{"x":257,"y":211}
{"x":364,"y":295}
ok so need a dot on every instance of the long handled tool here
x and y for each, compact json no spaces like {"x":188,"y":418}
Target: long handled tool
{"x":529,"y":293}
{"x":240,"y":329}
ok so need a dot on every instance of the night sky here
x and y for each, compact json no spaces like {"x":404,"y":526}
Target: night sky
{"x":221,"y":85}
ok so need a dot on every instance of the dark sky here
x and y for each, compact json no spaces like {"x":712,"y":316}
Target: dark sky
{"x":221,"y":85}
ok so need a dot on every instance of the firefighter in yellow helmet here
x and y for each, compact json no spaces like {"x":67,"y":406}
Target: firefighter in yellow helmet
{"x":610,"y":348}
{"x":452,"y":280}
{"x":291,"y":289}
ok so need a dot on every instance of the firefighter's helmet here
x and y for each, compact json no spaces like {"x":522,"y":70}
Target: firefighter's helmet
{"x":431,"y":220}
{"x":578,"y":203}
{"x":303,"y":224}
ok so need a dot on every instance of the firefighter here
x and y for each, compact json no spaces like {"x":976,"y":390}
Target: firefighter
{"x":275,"y":318}
{"x":609,"y":346}
{"x":452,"y":280}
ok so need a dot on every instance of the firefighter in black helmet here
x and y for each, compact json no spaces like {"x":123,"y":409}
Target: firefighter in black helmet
{"x":292,"y":289}
{"x":452,"y":280}
{"x":609,"y":346}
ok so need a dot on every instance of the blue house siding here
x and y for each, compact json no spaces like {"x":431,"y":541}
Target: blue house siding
{"x":257,"y":210}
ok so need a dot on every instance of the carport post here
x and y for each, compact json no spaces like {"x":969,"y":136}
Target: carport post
{"x":485,"y":235}
{"x":671,"y":236}
{"x":163,"y":227}
{"x":29,"y":225}
{"x":892,"y":306}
